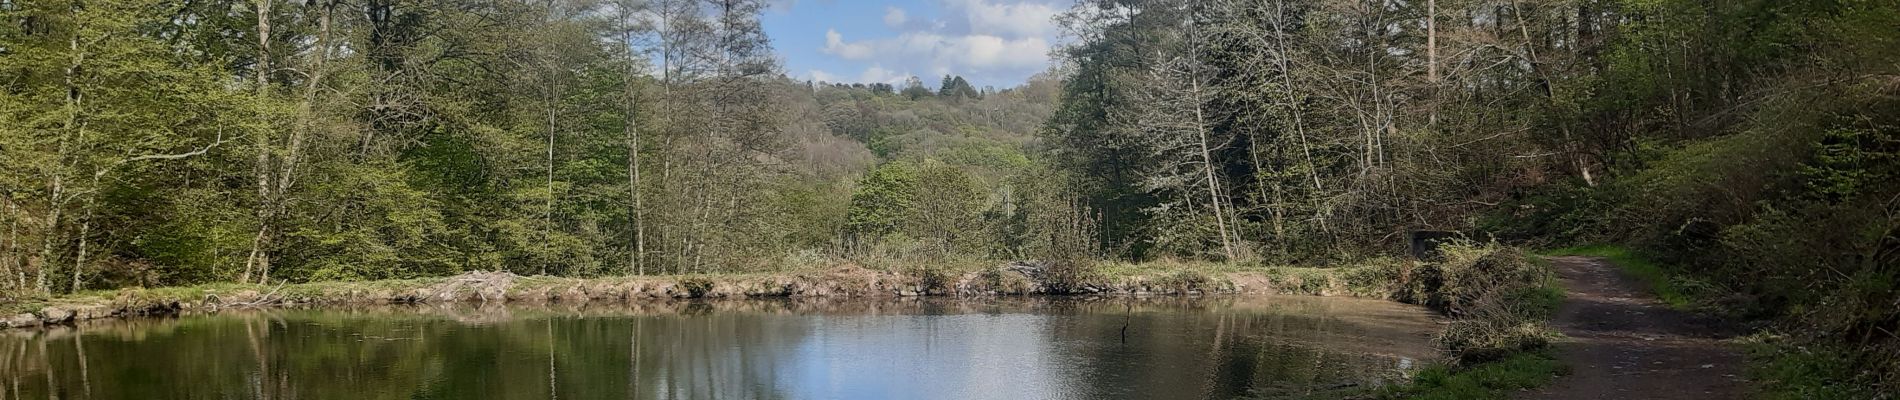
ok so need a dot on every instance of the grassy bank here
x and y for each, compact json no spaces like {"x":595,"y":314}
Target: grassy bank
{"x":831,"y":280}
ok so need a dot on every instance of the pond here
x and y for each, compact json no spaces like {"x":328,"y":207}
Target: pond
{"x":934,"y":348}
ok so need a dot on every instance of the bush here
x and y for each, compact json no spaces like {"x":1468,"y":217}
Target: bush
{"x":1471,"y":272}
{"x":1500,"y":296}
{"x":696,"y":287}
{"x":933,"y":279}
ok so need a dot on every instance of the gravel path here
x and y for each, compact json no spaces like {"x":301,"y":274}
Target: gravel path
{"x":1621,"y":343}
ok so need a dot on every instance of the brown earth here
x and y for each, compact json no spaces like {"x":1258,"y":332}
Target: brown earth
{"x":1622,"y":343}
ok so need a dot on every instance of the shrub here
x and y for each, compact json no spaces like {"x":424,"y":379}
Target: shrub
{"x":1500,"y":295}
{"x":696,"y":287}
{"x":932,"y":279}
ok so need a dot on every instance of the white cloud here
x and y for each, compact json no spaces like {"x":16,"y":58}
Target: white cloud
{"x":993,"y":39}
{"x":974,"y":51}
{"x":822,"y":76}
{"x":835,"y":45}
{"x":875,"y":74}
{"x":1020,"y":19}
{"x":984,"y":51}
{"x":894,"y":17}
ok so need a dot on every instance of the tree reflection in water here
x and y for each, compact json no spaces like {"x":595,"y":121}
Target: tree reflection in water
{"x":1206,"y":347}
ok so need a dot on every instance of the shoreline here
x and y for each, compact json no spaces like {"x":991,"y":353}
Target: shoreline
{"x":847,"y":282}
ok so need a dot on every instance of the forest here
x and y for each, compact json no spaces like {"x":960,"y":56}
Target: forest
{"x":170,"y":143}
{"x":1752,"y":146}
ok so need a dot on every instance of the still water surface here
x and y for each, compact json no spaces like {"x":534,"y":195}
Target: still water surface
{"x":1006,"y":348}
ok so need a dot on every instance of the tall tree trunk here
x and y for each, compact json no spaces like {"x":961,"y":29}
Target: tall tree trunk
{"x":1260,"y":181}
{"x":547,"y":225}
{"x":637,"y":260}
{"x":306,"y":109}
{"x":259,"y":260}
{"x":1299,"y":123}
{"x":669,"y":42}
{"x":1207,"y":167}
{"x":1286,"y":73}
{"x":51,"y":234}
{"x":56,"y":205}
{"x":85,"y":230}
{"x":1431,"y":44}
{"x":1572,"y":146}
{"x":10,"y":258}
{"x":1431,"y":61}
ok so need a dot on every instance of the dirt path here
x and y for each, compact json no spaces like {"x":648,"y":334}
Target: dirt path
{"x":1624,"y":344}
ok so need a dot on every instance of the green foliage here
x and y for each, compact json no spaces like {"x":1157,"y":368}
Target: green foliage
{"x":882,"y":200}
{"x":1748,"y":228}
{"x":955,"y":88}
{"x":460,"y":137}
{"x":407,"y":245}
{"x":1847,"y":162}
{"x":946,"y":207}
{"x":1769,"y":196}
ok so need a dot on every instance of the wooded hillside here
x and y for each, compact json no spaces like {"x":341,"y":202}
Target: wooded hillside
{"x":1751,"y":145}
{"x":151,"y":143}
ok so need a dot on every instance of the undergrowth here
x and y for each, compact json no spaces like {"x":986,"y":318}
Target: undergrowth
{"x":1785,"y":370}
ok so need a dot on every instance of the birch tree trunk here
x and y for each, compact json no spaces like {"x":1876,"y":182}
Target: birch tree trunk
{"x":10,"y":265}
{"x":1431,"y":44}
{"x":1286,"y":73}
{"x":1207,"y":167}
{"x":547,"y":226}
{"x":85,"y":229}
{"x":70,"y":138}
{"x":551,"y":98}
{"x":259,"y":260}
{"x":1298,"y":110}
{"x":637,"y":259}
{"x":306,"y":109}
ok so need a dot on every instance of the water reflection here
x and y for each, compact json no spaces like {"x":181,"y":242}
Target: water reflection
{"x":1218,"y":347}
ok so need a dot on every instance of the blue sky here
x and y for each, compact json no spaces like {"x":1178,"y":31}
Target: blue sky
{"x":989,"y":42}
